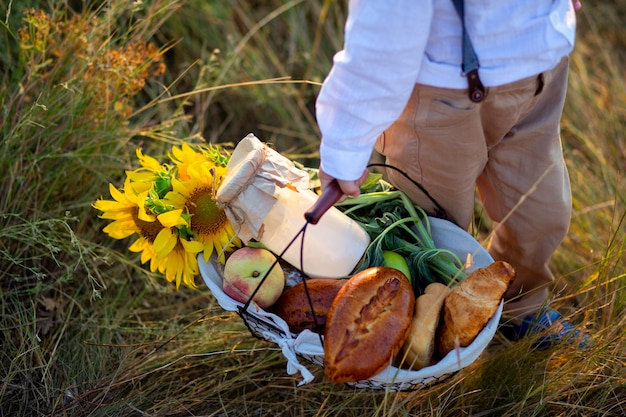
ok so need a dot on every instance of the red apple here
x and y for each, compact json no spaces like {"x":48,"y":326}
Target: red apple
{"x":243,"y":272}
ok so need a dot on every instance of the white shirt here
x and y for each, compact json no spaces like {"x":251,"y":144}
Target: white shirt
{"x":390,"y":45}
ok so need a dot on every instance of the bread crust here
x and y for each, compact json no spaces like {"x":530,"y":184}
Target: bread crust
{"x":293,"y":305}
{"x":419,"y":348}
{"x":470,"y":305}
{"x":367,"y":325}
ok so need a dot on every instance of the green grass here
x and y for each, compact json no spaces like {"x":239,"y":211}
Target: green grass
{"x":85,"y":329}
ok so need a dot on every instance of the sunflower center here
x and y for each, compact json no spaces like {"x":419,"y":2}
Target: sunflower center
{"x":147,"y":230}
{"x":207,"y":217}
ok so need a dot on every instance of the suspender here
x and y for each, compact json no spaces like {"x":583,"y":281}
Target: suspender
{"x":470,"y":60}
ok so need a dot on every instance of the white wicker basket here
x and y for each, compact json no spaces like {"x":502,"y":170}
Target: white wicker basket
{"x":307,"y":344}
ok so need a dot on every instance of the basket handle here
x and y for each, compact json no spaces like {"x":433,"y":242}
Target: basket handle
{"x":329,"y":197}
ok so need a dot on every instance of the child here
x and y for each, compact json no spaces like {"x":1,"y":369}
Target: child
{"x":398,"y":86}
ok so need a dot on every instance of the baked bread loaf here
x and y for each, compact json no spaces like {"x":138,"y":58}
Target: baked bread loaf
{"x":293,"y":305}
{"x":367,"y":324}
{"x":470,"y":305}
{"x":419,"y":348}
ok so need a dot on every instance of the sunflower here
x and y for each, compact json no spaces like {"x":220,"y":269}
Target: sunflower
{"x":151,"y":174}
{"x":196,"y":196}
{"x":161,"y":244}
{"x":172,"y":210}
{"x":125,"y":210}
{"x":187,"y":156}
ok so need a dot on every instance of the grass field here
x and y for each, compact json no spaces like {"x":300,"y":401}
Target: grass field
{"x":87,"y":330}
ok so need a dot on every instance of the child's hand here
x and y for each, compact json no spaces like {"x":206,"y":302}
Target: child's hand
{"x":348,"y":187}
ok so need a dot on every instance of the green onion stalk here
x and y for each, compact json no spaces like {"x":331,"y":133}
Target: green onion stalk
{"x":395,"y":223}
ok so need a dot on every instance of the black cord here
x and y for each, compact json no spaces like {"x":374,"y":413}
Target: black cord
{"x":317,"y":328}
{"x":440,"y":212}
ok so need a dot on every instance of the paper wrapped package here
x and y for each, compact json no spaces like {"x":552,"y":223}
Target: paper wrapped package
{"x":265,"y":197}
{"x":249,"y":191}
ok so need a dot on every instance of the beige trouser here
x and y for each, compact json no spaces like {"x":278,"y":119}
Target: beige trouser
{"x":508,"y":147}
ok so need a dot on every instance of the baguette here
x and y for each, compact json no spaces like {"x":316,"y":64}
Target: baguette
{"x":470,"y":305}
{"x":367,"y":324}
{"x":419,"y":348}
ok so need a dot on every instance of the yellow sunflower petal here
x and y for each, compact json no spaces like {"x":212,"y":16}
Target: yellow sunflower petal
{"x":140,"y":187}
{"x":117,"y":194}
{"x":174,"y":267}
{"x":176,"y":154}
{"x":141,"y":176}
{"x":123,"y":215}
{"x":202,"y":172}
{"x":120,"y":230}
{"x":147,"y":161}
{"x":143,"y":213}
{"x":182,"y":187}
{"x":220,"y":173}
{"x":223,"y":239}
{"x":172,"y":218}
{"x":170,"y":271}
{"x":208,"y":250}
{"x":219,"y":251}
{"x":235,"y":240}
{"x":176,"y":199}
{"x":157,"y":265}
{"x":111,"y":206}
{"x":192,"y":246}
{"x":190,"y":272}
{"x":164,"y":243}
{"x":138,"y":245}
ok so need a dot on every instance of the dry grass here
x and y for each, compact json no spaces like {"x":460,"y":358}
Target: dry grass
{"x":87,"y":331}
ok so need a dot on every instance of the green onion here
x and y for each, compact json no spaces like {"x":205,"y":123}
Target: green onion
{"x":395,"y":223}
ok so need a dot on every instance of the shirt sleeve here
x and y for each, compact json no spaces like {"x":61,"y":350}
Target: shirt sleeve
{"x":371,"y":80}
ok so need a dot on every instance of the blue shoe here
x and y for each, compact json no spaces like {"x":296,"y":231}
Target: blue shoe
{"x":551,"y":328}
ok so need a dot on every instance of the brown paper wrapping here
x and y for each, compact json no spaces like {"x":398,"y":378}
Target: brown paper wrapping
{"x":247,"y":193}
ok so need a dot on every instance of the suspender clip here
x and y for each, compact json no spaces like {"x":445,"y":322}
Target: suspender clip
{"x":476,"y":88}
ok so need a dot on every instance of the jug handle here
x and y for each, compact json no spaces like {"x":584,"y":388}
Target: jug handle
{"x":329,"y":197}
